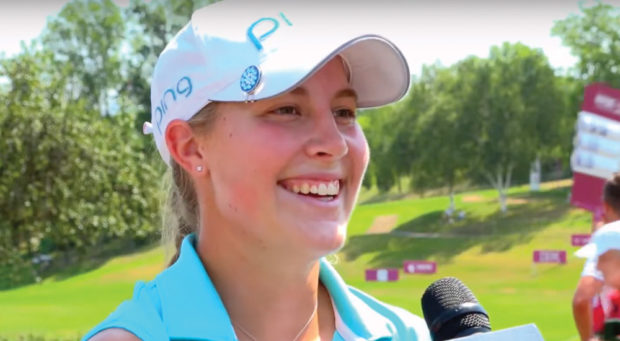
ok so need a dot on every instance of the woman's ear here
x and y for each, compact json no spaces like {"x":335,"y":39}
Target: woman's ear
{"x":184,"y":147}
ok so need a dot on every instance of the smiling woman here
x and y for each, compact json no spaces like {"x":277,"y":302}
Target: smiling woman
{"x":254,"y":112}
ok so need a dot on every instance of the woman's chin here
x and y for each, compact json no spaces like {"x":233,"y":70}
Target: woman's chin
{"x":325,"y":238}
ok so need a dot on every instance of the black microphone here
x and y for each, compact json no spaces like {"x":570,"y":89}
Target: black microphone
{"x":451,"y":310}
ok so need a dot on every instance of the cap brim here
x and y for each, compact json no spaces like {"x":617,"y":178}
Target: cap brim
{"x":379,"y":71}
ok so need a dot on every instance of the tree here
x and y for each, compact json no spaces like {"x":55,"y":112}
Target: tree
{"x":594,"y":37}
{"x":517,"y":106}
{"x":74,"y":171}
{"x":443,"y":130}
{"x":381,"y":168}
{"x":481,"y":119}
{"x":390,"y":132}
{"x":86,"y":39}
{"x":70,"y":179}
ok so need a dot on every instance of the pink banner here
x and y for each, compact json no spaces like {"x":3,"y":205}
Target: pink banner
{"x":550,"y":256}
{"x":419,"y":267}
{"x":579,"y":239}
{"x":587,"y":192}
{"x":600,"y":99}
{"x":382,"y":275}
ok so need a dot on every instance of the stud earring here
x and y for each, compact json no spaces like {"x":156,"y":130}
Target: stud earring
{"x":199,"y":168}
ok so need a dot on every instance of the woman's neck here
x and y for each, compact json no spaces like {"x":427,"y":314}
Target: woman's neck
{"x":269,"y":296}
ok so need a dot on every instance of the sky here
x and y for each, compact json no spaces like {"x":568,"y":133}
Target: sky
{"x":427,"y":31}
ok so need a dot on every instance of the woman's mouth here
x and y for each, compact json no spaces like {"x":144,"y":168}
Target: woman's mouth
{"x":324,"y":190}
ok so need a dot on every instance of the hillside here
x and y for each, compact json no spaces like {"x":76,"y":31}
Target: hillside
{"x":489,"y":251}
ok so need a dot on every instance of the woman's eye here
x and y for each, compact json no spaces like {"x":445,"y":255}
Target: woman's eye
{"x":345,"y":115}
{"x":287,"y":110}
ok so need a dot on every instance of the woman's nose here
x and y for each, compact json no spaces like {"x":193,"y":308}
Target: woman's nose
{"x":326,"y":140}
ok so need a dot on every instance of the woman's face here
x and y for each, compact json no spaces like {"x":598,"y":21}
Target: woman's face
{"x":285,"y":172}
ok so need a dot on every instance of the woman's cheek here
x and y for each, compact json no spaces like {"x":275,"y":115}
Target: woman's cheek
{"x":359,"y":147}
{"x":244,"y":195}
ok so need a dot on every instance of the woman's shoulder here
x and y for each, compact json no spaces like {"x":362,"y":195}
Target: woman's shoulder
{"x":137,"y":318}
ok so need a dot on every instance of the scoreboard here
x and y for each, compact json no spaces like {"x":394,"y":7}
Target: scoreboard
{"x":596,"y":153}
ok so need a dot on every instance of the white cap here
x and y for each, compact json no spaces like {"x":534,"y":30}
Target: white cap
{"x":604,"y":239}
{"x":236,"y":51}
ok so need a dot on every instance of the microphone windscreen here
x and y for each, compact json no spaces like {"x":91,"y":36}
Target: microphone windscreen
{"x":451,"y":310}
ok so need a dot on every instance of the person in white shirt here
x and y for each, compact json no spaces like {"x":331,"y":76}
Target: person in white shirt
{"x":590,"y":302}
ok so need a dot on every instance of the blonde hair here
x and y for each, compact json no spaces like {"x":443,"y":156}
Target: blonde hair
{"x":181,"y":215}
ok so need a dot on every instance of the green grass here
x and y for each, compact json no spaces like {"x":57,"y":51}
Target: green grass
{"x":489,"y":251}
{"x":66,"y":308}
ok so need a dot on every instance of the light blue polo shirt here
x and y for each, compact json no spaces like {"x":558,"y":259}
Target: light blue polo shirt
{"x":181,"y":303}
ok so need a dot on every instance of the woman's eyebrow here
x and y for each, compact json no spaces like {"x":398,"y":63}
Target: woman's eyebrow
{"x":299,"y":91}
{"x":348,"y":92}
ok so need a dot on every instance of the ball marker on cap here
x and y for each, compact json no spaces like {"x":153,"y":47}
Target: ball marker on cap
{"x":250,"y":79}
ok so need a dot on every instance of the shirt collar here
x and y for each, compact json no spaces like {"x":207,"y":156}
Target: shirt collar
{"x":192,"y":308}
{"x":353,"y":315}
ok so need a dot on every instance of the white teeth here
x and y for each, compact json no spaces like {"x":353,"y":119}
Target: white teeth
{"x":305,"y":188}
{"x":332,"y":188}
{"x":314,"y":189}
{"x":323,"y":189}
